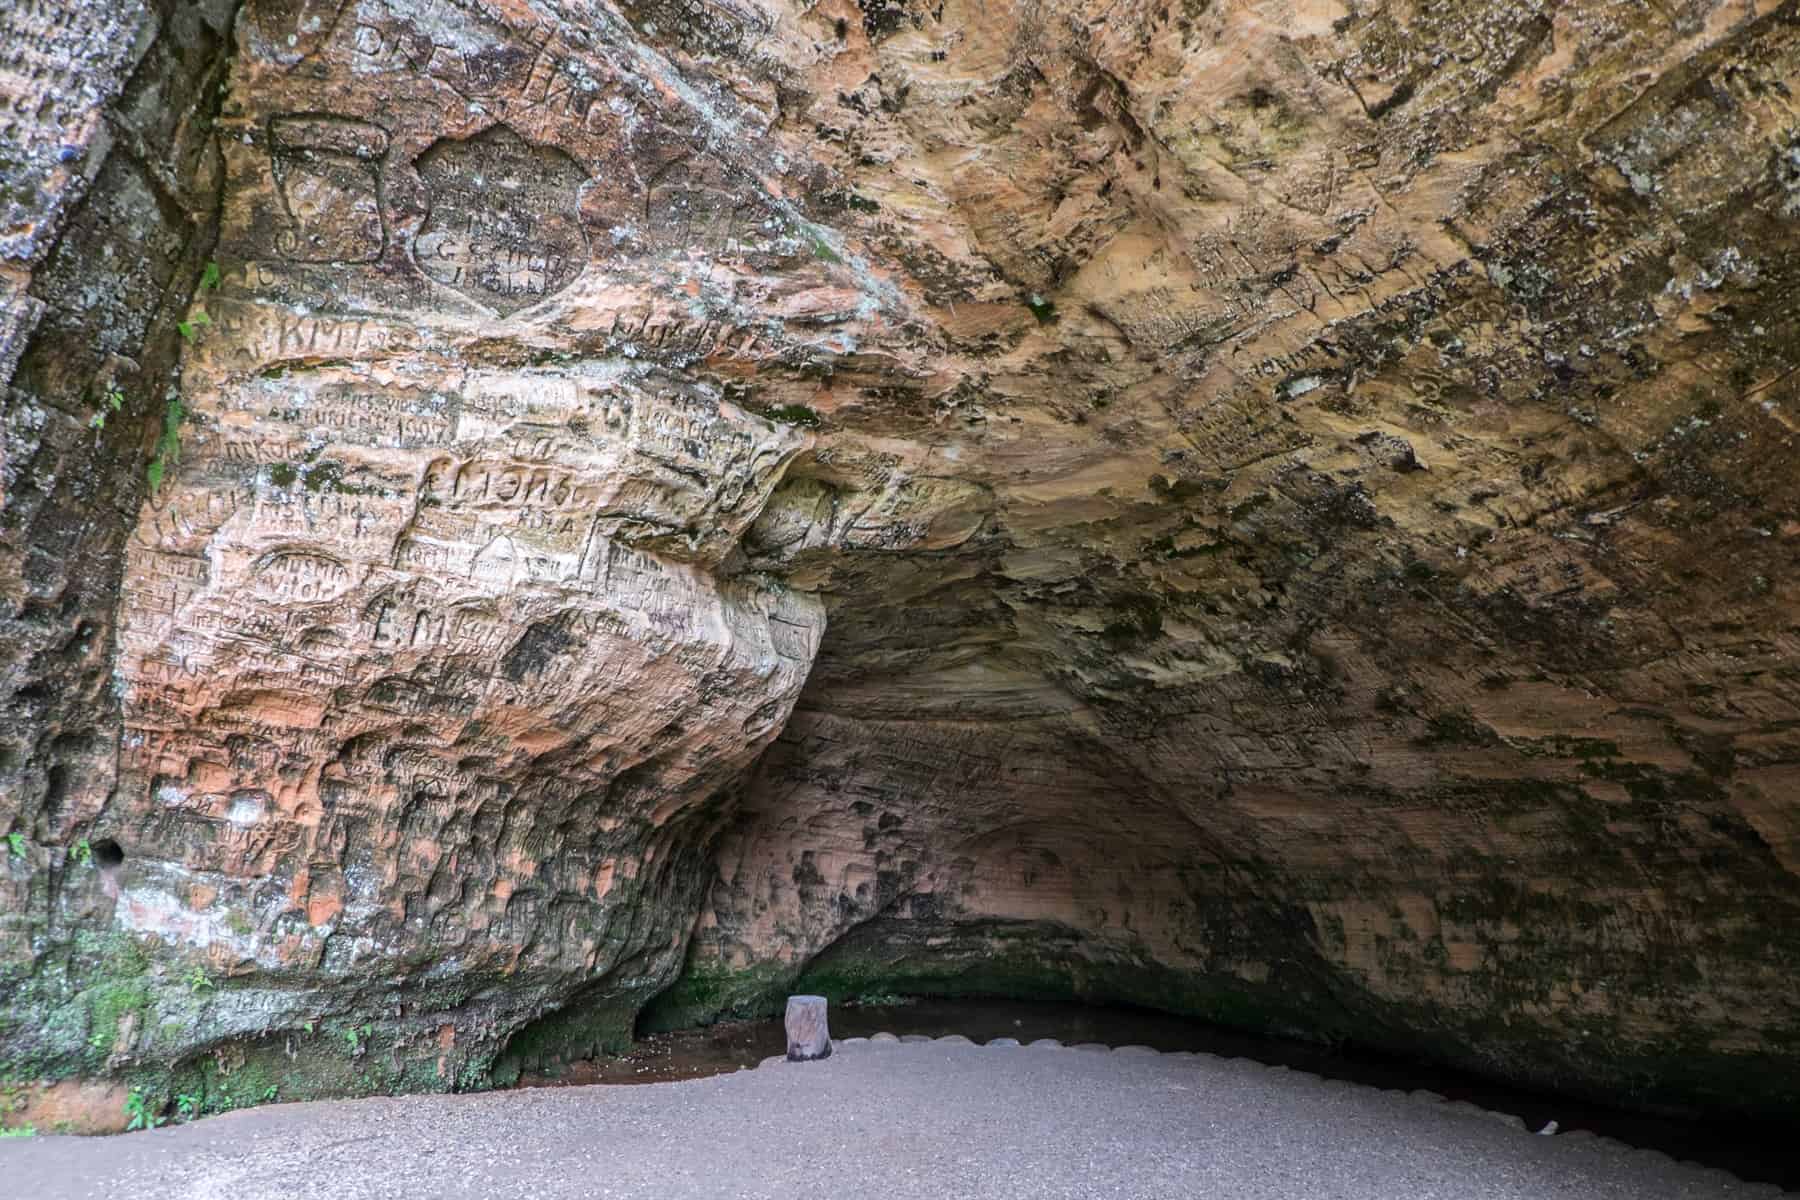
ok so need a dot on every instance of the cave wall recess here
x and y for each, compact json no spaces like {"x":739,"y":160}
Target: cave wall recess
{"x":1275,"y":510}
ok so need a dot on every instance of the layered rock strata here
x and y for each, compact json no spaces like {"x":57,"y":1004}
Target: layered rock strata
{"x":1274,"y":510}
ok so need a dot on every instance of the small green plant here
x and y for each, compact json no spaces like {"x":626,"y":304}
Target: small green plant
{"x":82,"y":853}
{"x":273,"y":1090}
{"x":199,"y":320}
{"x":142,"y":1111}
{"x":19,"y":1131}
{"x":356,"y":1037}
{"x":187,"y":1106}
{"x":168,"y":447}
{"x":209,"y":281}
{"x":791,"y":414}
{"x":16,"y":842}
{"x":198,"y":981}
{"x":111,"y":403}
{"x":308,"y":1026}
{"x":822,"y":249}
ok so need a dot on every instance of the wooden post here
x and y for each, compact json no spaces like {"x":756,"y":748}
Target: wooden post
{"x":808,"y":1035}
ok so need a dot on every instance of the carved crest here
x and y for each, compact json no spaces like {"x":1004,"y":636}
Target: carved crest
{"x":328,"y":175}
{"x":503,"y":228}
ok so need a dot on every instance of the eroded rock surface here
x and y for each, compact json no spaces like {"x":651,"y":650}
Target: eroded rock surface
{"x":1280,"y":511}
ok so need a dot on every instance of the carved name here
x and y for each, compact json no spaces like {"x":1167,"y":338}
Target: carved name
{"x":300,"y":577}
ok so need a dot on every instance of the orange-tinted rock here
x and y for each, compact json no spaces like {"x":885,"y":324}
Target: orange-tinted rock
{"x":1301,"y":492}
{"x":71,"y":1106}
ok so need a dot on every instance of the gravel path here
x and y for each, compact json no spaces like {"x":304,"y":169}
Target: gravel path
{"x":932,"y":1120}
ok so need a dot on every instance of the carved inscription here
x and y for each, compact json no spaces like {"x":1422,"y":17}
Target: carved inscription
{"x":692,"y":206}
{"x":485,"y":483}
{"x":350,"y":414}
{"x":503,"y":228}
{"x":659,"y":329}
{"x":407,"y":619}
{"x":298,"y":577}
{"x":257,"y":334}
{"x":328,"y":177}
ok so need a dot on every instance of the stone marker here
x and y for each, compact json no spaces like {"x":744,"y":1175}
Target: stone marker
{"x":809,"y":1037}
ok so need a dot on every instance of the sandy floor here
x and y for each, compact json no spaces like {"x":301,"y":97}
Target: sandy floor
{"x":932,"y":1120}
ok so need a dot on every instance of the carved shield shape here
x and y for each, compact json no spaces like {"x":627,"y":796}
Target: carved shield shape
{"x":503,"y":227}
{"x":328,"y":175}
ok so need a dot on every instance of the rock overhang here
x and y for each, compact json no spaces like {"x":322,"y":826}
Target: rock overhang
{"x":1225,"y":507}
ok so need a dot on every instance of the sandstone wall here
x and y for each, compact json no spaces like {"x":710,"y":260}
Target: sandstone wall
{"x":1278,"y":510}
{"x":436,"y":658}
{"x":1381,"y":625}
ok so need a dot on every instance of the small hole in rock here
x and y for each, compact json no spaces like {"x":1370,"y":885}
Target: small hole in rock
{"x":107,"y":855}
